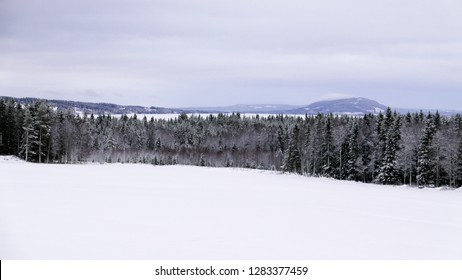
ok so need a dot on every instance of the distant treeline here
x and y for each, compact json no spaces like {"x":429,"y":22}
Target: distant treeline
{"x":95,"y":108}
{"x":389,"y":148}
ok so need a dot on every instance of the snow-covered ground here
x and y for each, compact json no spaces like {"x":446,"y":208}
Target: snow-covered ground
{"x":129,"y":211}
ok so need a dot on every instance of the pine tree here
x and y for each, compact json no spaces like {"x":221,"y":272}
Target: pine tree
{"x":9,"y":131}
{"x":328,"y":148}
{"x":57,"y":137}
{"x":425,"y":162}
{"x":389,"y":120}
{"x":18,"y":120}
{"x":292,"y":161}
{"x":367,"y":148}
{"x":458,"y":173}
{"x":351,"y":168}
{"x":437,"y":120}
{"x":282,"y":138}
{"x":3,"y":147}
{"x":307,"y":152}
{"x":389,"y":170}
{"x":43,"y":127}
{"x":316,"y":146}
{"x":29,"y":139}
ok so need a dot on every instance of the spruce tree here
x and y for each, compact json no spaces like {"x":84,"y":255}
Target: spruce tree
{"x":328,"y":148}
{"x":458,"y":175}
{"x":316,"y":144}
{"x":29,"y":139}
{"x":292,"y":160}
{"x":425,"y":161}
{"x":9,"y":138}
{"x":351,"y":168}
{"x":43,"y":127}
{"x":307,"y":151}
{"x":282,"y":138}
{"x":3,"y":147}
{"x":388,"y":173}
{"x":367,"y":148}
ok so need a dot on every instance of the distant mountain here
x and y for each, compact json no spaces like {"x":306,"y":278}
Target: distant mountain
{"x":359,"y":106}
{"x":100,"y":108}
{"x":351,"y":106}
{"x":246,"y":108}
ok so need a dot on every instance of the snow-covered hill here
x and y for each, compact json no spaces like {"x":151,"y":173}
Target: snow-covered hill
{"x":352,"y":106}
{"x":128,"y":211}
{"x":99,"y":108}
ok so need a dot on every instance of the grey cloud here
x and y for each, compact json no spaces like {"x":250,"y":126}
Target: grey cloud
{"x":209,"y":52}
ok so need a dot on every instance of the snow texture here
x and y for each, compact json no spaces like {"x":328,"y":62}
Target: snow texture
{"x":130,"y":211}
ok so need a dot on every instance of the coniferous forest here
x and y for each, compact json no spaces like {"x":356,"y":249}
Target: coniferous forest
{"x":422,"y":149}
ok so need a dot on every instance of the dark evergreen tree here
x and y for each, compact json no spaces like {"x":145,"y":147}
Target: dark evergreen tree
{"x":3,"y":146}
{"x":42,"y":126}
{"x":458,"y":175}
{"x":282,"y":138}
{"x":367,"y":148}
{"x":425,"y":162}
{"x":328,"y":148}
{"x":29,"y":141}
{"x":307,"y":151}
{"x":315,"y":155}
{"x":352,"y":155}
{"x":10,"y":133}
{"x":388,"y":172}
{"x":292,"y":160}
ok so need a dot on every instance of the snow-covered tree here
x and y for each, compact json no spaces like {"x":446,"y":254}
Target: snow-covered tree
{"x":292,"y":160}
{"x":43,"y":130}
{"x":425,"y":161}
{"x":29,"y":141}
{"x":388,"y":172}
{"x":352,"y":153}
{"x":327,"y":147}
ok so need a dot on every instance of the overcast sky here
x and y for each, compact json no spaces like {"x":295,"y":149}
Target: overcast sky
{"x":175,"y":53}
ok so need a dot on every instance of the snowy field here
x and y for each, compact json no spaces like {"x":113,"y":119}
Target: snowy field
{"x":122,"y":211}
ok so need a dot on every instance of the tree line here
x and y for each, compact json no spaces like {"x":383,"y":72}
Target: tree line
{"x":423,"y":149}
